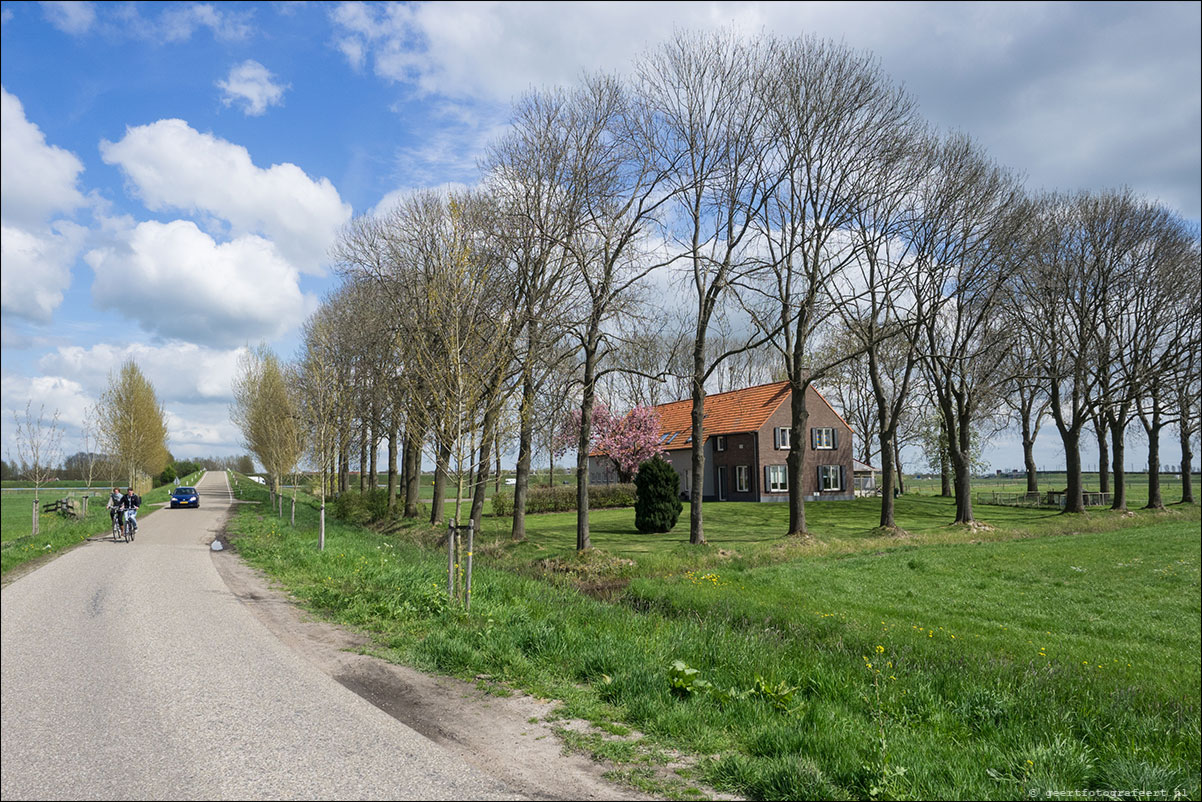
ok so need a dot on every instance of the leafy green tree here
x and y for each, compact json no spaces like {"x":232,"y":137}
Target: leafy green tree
{"x":657,"y":504}
{"x":133,"y":424}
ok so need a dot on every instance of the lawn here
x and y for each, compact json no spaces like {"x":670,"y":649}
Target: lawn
{"x":1048,"y":655}
{"x":55,"y":531}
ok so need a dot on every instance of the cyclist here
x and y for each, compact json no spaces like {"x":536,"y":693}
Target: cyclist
{"x":113,"y":505}
{"x":131,"y":501}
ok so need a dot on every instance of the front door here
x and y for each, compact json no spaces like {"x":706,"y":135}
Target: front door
{"x":721,"y":483}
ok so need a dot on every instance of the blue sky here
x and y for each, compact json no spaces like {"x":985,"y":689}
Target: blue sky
{"x":173,"y":173}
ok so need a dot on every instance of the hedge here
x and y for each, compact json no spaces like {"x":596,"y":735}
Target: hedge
{"x":562,"y":498}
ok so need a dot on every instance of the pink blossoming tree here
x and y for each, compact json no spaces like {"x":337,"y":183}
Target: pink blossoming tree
{"x":628,"y":440}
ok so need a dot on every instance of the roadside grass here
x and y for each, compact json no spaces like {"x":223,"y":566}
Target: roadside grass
{"x":952,"y":663}
{"x":55,"y":531}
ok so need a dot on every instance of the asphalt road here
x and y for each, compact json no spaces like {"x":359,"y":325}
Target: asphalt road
{"x":129,"y":671}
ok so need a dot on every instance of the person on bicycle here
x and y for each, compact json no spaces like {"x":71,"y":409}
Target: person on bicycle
{"x":131,"y":501}
{"x":113,"y":505}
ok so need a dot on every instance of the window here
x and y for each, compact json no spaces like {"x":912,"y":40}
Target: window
{"x":742,"y":477}
{"x":720,"y":443}
{"x":777,"y":477}
{"x":823,"y":438}
{"x":830,"y":477}
{"x":780,"y":437}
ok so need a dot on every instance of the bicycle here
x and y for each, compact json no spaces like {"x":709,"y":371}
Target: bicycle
{"x":117,"y":532}
{"x":130,"y":523}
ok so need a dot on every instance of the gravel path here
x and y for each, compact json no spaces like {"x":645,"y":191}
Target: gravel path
{"x":130,"y":671}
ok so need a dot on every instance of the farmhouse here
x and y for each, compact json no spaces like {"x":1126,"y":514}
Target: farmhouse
{"x":746,"y":443}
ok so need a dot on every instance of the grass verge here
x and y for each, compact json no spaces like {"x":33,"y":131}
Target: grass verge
{"x":952,"y":663}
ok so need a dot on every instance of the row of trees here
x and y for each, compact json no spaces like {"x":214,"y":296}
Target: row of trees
{"x":738,"y":208}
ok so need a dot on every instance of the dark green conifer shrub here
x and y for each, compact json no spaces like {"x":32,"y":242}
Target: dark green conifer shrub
{"x":657,"y":502}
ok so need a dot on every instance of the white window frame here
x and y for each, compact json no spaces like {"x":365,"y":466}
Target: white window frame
{"x":777,"y":479}
{"x":824,"y":438}
{"x":780,"y":438}
{"x":719,"y":442}
{"x":742,"y":478}
{"x":830,"y":478}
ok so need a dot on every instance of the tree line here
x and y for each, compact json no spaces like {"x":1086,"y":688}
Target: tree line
{"x":739,"y":209}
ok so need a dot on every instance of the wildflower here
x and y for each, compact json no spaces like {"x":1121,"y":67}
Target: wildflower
{"x":880,"y":649}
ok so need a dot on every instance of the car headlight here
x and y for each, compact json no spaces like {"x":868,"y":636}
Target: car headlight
{"x":192,"y":498}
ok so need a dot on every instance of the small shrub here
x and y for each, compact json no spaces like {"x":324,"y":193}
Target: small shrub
{"x":657,"y":506}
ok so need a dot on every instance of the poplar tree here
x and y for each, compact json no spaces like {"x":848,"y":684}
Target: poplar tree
{"x":133,"y":426}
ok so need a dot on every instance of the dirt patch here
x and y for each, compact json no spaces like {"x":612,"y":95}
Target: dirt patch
{"x":509,"y":737}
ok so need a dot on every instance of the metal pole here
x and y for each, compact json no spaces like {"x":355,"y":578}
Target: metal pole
{"x":471,"y":531}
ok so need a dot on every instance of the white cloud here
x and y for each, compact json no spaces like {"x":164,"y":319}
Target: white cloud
{"x":179,"y":371}
{"x":37,"y":180}
{"x":37,"y":268}
{"x":251,"y":85}
{"x":49,"y":393}
{"x":177,"y":282}
{"x":74,"y":18}
{"x":172,"y":166}
{"x":1096,"y":99}
{"x":178,"y":22}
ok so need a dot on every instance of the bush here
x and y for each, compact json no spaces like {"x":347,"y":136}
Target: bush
{"x":562,"y":498}
{"x":166,"y":477}
{"x":658,"y":504}
{"x":362,"y":508}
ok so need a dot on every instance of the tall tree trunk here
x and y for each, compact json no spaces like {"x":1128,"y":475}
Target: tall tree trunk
{"x":583,"y":542}
{"x":344,"y":468}
{"x":1029,"y":451}
{"x":1074,"y":500}
{"x":496,"y":446}
{"x":1103,"y":455}
{"x":945,"y":466}
{"x":1118,"y":449}
{"x":901,"y":483}
{"x":961,"y":457}
{"x":441,"y":469}
{"x":795,"y":460}
{"x":887,"y":478}
{"x":525,"y":449}
{"x":697,"y":453}
{"x":1152,"y":427}
{"x":363,"y":438}
{"x":393,"y":447}
{"x":413,"y":470}
{"x":488,"y":436}
{"x":374,"y":446}
{"x":1187,"y":459}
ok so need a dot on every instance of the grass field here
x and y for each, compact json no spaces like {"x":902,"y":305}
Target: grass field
{"x":18,"y":546}
{"x":1049,"y":656}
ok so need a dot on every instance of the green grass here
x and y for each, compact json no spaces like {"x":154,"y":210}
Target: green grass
{"x":1053,"y":652}
{"x":55,"y":531}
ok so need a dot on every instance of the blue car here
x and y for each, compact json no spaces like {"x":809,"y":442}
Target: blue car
{"x":185,"y":497}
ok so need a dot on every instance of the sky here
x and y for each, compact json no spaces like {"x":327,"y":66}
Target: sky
{"x":173,"y":175}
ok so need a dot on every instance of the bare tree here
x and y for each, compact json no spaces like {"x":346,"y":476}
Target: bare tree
{"x":968,"y":244}
{"x":320,"y":394}
{"x":39,"y":450}
{"x":707,"y":94}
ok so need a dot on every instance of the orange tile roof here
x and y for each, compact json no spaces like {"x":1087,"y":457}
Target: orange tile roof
{"x":732,"y":412}
{"x":725,"y":413}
